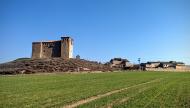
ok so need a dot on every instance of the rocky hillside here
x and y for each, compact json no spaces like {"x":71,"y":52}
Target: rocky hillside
{"x":27,"y":66}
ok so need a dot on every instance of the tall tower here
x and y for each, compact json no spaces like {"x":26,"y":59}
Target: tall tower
{"x":66,"y":47}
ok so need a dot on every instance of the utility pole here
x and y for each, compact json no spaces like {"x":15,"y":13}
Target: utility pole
{"x":139,"y":60}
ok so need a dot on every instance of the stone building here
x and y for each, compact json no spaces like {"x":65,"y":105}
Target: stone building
{"x":120,"y":63}
{"x":162,"y":66}
{"x":49,"y":49}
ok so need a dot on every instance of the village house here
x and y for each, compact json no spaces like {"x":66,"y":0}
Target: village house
{"x":120,"y":63}
{"x":171,"y":65}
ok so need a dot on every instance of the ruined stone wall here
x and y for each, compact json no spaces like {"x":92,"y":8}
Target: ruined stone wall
{"x":67,"y":47}
{"x":36,"y":49}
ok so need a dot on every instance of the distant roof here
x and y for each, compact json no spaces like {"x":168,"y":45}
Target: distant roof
{"x":165,"y":62}
{"x":119,"y":59}
{"x":153,"y":62}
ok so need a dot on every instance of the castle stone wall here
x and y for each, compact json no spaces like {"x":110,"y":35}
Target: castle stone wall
{"x":67,"y":47}
{"x":49,"y":49}
{"x":36,"y":49}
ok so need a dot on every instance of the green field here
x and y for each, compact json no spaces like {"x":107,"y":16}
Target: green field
{"x":137,"y":90}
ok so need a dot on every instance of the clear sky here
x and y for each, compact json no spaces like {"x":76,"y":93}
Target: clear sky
{"x":102,"y":29}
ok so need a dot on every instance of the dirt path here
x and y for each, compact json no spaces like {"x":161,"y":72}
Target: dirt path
{"x":106,"y":94}
{"x":125,"y":99}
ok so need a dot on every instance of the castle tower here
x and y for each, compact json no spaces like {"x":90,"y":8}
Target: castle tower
{"x":66,"y":47}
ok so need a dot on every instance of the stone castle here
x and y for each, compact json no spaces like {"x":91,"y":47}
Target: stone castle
{"x":49,"y":49}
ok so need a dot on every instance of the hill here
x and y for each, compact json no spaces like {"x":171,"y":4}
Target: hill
{"x":27,"y":66}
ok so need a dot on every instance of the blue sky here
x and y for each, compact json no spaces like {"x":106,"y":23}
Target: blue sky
{"x":101,"y":29}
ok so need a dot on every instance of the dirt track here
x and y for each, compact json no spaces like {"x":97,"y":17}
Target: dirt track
{"x":81,"y":102}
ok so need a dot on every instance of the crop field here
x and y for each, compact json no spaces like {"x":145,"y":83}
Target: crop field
{"x":96,"y":90}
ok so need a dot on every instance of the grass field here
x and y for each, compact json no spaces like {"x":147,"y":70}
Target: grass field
{"x":136,"y":90}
